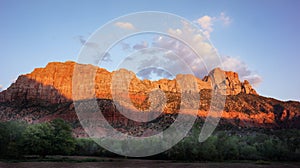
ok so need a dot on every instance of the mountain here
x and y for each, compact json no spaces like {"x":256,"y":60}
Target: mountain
{"x":46,"y":93}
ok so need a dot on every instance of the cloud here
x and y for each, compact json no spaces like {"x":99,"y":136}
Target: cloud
{"x":125,"y":25}
{"x":229,"y":63}
{"x":125,"y":46}
{"x":154,"y":73}
{"x":201,"y":67}
{"x":206,"y":23}
{"x":107,"y":57}
{"x":140,"y":45}
{"x":226,"y":20}
{"x":254,"y":79}
{"x":187,"y":58}
{"x":236,"y":65}
{"x":1,"y":87}
{"x":198,"y":42}
{"x":85,"y":43}
{"x":178,"y":57}
{"x":81,"y":40}
{"x":93,"y":54}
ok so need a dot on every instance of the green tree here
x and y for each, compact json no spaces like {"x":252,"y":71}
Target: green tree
{"x":248,"y":152}
{"x":63,"y":142}
{"x":37,"y":139}
{"x":4,"y":138}
{"x":10,"y":138}
{"x":229,"y":148}
{"x":48,"y":138}
{"x":208,"y":150}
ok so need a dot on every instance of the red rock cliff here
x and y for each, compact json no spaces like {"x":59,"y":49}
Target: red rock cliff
{"x":46,"y":93}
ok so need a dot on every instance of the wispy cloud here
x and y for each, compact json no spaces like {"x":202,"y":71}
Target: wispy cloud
{"x":141,"y":45}
{"x":125,"y":25}
{"x":154,"y":73}
{"x":81,"y":40}
{"x":125,"y":46}
{"x":1,"y":87}
{"x":107,"y":57}
{"x":88,"y":44}
{"x":94,"y":54}
{"x":226,"y":20}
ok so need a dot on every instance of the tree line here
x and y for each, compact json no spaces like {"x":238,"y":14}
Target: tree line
{"x":50,"y":138}
{"x":19,"y":139}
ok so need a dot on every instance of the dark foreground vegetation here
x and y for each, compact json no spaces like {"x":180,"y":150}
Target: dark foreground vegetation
{"x":18,"y":139}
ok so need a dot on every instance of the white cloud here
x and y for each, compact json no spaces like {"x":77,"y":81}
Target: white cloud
{"x":177,"y":56}
{"x":254,"y":79}
{"x":125,"y":25}
{"x":185,"y":56}
{"x":198,"y":67}
{"x":207,"y":53}
{"x":206,"y":23}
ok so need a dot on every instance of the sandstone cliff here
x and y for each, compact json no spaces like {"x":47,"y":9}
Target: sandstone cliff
{"x":54,"y":83}
{"x":46,"y":93}
{"x":232,"y":82}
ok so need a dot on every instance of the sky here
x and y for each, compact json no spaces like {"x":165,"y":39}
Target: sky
{"x":259,"y":39}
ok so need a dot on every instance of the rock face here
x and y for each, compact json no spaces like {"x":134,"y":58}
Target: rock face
{"x":46,"y":93}
{"x":54,"y":83}
{"x":232,"y":82}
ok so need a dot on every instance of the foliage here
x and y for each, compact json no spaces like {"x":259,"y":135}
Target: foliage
{"x":18,"y":138}
{"x":86,"y":146}
{"x":48,"y":138}
{"x":10,"y":138}
{"x":38,"y":139}
{"x":225,"y":145}
{"x":63,"y":141}
{"x":55,"y":138}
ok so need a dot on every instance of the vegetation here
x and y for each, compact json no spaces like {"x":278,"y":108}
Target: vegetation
{"x":280,"y":145}
{"x":18,"y":139}
{"x":53,"y":138}
{"x":10,"y":138}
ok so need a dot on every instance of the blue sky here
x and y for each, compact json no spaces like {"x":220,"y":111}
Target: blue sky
{"x":262,"y":35}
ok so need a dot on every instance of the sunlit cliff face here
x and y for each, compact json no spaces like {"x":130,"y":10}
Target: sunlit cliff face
{"x":53,"y":85}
